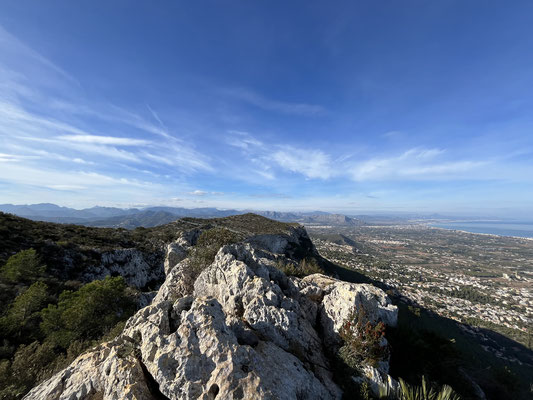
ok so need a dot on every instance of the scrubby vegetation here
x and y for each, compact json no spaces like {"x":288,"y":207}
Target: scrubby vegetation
{"x":88,"y":313}
{"x":363,"y":344}
{"x":363,"y":341}
{"x":24,"y":266}
{"x":426,"y":391}
{"x":207,"y":246}
{"x":306,"y":266}
{"x":247,"y":224}
{"x":44,"y":326}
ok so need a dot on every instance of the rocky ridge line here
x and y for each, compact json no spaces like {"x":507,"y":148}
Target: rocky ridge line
{"x":240,"y":330}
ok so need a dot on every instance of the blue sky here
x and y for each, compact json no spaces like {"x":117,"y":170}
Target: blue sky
{"x":382,"y":106}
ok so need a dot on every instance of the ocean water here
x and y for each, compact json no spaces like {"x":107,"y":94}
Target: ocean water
{"x":520,"y":229}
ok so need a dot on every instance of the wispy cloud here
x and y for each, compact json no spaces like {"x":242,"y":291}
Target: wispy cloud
{"x":46,"y":123}
{"x":243,"y":140}
{"x":15,"y":50}
{"x":416,"y":163}
{"x":270,"y":196}
{"x":198,"y":193}
{"x":106,"y":140}
{"x":14,"y":157}
{"x":255,"y":99}
{"x":310,"y":163}
{"x":202,"y":193}
{"x":67,"y":188}
{"x":156,"y":117}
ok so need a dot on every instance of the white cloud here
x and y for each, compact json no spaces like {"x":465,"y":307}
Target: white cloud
{"x":43,"y":112}
{"x":310,"y":163}
{"x":243,"y":140}
{"x":107,"y":140}
{"x":14,"y":157}
{"x":416,"y":163}
{"x":41,"y":177}
{"x":14,"y":50}
{"x":204,"y":193}
{"x":197,"y":193}
{"x":66,"y":187}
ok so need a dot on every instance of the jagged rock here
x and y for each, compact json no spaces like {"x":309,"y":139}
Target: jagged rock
{"x":138,"y":268}
{"x":145,"y":298}
{"x":174,"y":254}
{"x":252,"y":291}
{"x":377,"y":380}
{"x":111,"y":370}
{"x":341,"y":298}
{"x":178,"y":250}
{"x":240,"y":330}
{"x":179,"y":283}
{"x":205,"y":353}
{"x":295,"y":243}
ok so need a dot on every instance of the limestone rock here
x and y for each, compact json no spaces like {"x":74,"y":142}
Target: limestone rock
{"x":179,"y":283}
{"x":341,"y":298}
{"x":138,"y":268}
{"x":240,"y":330}
{"x":110,"y":370}
{"x":177,"y":251}
{"x":377,"y":380}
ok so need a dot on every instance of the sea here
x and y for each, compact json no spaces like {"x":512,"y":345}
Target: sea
{"x":501,"y":228}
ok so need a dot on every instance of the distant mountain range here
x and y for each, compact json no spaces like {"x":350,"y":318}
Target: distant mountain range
{"x":130,"y":218}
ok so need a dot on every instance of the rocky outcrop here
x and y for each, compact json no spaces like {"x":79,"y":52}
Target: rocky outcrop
{"x":240,"y":330}
{"x":138,"y":268}
{"x":99,"y":372}
{"x":179,"y":249}
{"x":340,"y":299}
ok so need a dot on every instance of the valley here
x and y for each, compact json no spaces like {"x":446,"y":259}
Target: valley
{"x":483,"y":280}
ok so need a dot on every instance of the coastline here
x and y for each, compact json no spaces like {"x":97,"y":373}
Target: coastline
{"x":480,"y":233}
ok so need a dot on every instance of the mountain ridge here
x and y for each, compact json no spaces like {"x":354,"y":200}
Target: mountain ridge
{"x":113,"y":217}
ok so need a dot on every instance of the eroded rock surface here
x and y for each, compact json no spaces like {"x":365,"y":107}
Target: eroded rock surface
{"x":138,"y":268}
{"x":240,"y":330}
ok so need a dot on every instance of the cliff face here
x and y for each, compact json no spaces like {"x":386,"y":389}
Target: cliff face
{"x":241,"y":329}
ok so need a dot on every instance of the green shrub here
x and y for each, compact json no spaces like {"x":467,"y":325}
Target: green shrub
{"x":25,"y":266}
{"x":23,"y":316}
{"x":30,"y":364}
{"x":88,"y":313}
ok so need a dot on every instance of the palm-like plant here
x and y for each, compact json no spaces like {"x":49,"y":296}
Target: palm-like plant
{"x":423,"y":392}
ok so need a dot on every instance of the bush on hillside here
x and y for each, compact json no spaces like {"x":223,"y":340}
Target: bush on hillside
{"x":207,"y":246}
{"x":25,"y":266}
{"x":88,"y":313}
{"x":22,"y":318}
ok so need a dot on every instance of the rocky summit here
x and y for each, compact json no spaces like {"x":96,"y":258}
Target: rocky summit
{"x":239,"y":328}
